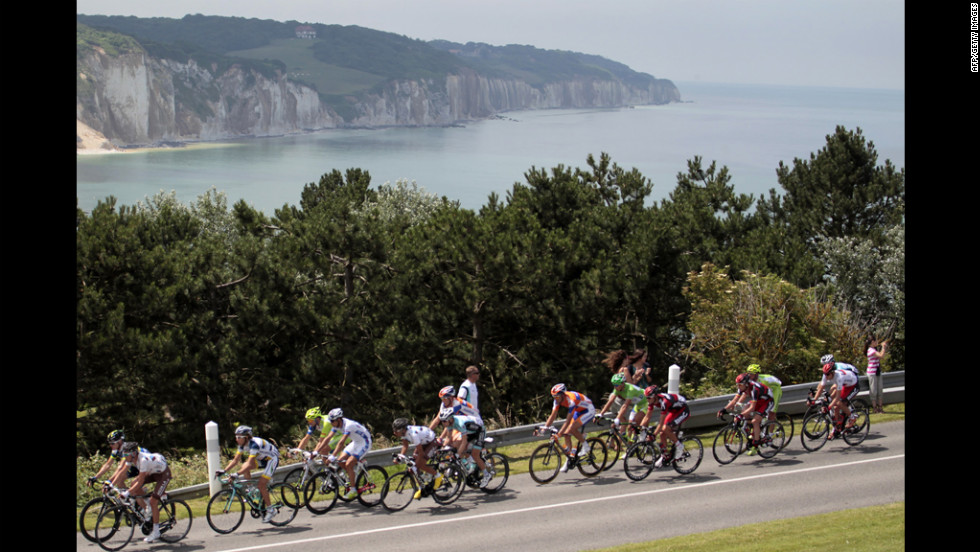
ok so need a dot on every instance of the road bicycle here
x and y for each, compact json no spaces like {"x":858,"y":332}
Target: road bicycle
{"x":734,"y":439}
{"x":789,"y":428}
{"x":641,"y":457}
{"x":331,"y":483}
{"x":617,"y":442}
{"x":226,"y":509}
{"x":400,"y":488}
{"x":116,"y":524}
{"x":813,"y":405}
{"x":495,"y":463}
{"x":818,"y":424}
{"x":92,"y":510}
{"x":547,"y":459}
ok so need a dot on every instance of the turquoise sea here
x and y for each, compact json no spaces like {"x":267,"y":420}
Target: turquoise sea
{"x":748,"y":128}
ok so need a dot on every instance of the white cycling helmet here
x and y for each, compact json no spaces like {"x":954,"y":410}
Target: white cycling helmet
{"x":335,"y":414}
{"x":446,"y":414}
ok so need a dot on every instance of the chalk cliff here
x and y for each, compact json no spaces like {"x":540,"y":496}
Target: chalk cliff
{"x":134,"y":99}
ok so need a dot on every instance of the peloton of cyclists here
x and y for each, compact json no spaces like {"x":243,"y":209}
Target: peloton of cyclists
{"x":844,"y":378}
{"x":673,"y":412}
{"x":580,"y":412}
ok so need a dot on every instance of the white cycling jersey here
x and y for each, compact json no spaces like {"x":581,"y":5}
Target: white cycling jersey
{"x":150,"y":462}
{"x":419,"y":435}
{"x":841,"y":378}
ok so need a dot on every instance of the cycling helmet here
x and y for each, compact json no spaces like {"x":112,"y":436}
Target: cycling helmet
{"x":447,"y":391}
{"x":618,"y":379}
{"x":650,"y":391}
{"x":335,"y":414}
{"x":558,"y":389}
{"x":313,"y":413}
{"x":399,"y":424}
{"x":743,"y":378}
{"x":243,"y":430}
{"x":828,"y":368}
{"x":754,"y":369}
{"x":116,"y":436}
{"x":446,"y":414}
{"x":129,"y":447}
{"x":826,"y":359}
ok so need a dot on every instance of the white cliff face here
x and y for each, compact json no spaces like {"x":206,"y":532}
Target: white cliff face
{"x":135,"y":100}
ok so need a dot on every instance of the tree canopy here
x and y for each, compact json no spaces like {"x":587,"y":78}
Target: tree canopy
{"x":372,"y":299}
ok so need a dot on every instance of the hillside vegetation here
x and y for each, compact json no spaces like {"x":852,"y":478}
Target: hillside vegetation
{"x":346,"y":59}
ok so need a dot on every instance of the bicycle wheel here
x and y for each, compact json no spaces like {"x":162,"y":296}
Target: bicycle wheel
{"x":639,"y":459}
{"x":321,"y":492}
{"x":615,"y":447}
{"x":856,"y":434}
{"x":775,"y":438}
{"x":225,"y":512}
{"x":398,"y":491}
{"x":297,"y":478}
{"x":283,"y":495}
{"x":175,"y":520}
{"x":814,"y":431}
{"x":90,"y":513}
{"x":498,"y":466}
{"x":369,"y":483}
{"x":545,"y":462}
{"x":728,"y":444}
{"x":453,"y":479}
{"x":788,"y":427}
{"x":690,"y":459}
{"x":114,"y":528}
{"x":591,"y":463}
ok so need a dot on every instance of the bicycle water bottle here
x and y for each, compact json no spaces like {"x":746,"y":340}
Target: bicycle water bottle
{"x":469,"y":465}
{"x":255,"y":495}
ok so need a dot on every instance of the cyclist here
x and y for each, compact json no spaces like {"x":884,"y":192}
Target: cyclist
{"x":455,"y":428}
{"x":760,"y":403}
{"x":115,"y":439}
{"x":580,"y":411}
{"x":632,"y":397}
{"x":316,"y":427}
{"x":152,"y":468}
{"x":845,"y":387}
{"x":448,"y":398}
{"x":256,"y":452}
{"x":348,"y":454}
{"x":425,"y":442}
{"x":673,"y":412}
{"x":770,"y":381}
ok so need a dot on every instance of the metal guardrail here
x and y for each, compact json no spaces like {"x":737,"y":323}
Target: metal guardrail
{"x":703,"y":413}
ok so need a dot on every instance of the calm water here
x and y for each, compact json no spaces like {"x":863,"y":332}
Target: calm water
{"x":749,"y":128}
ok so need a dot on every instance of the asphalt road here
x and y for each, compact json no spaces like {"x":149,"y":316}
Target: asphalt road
{"x":574,"y":513}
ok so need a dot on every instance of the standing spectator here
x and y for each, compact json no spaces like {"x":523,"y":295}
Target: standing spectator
{"x":639,"y":369}
{"x":467,"y":389}
{"x":874,"y":373}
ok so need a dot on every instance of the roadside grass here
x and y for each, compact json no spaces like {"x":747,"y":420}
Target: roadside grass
{"x":517,"y":458}
{"x":302,"y":67}
{"x":871,"y":529}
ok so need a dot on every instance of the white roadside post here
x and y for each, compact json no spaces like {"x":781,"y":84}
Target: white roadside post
{"x":673,"y":378}
{"x":214,"y":455}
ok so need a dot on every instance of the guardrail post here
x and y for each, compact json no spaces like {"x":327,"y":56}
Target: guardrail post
{"x":673,"y":379}
{"x":214,"y":455}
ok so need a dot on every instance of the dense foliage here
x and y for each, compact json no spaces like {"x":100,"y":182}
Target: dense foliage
{"x":372,"y":299}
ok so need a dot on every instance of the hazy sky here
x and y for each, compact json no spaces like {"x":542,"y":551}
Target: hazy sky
{"x":847,"y":43}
